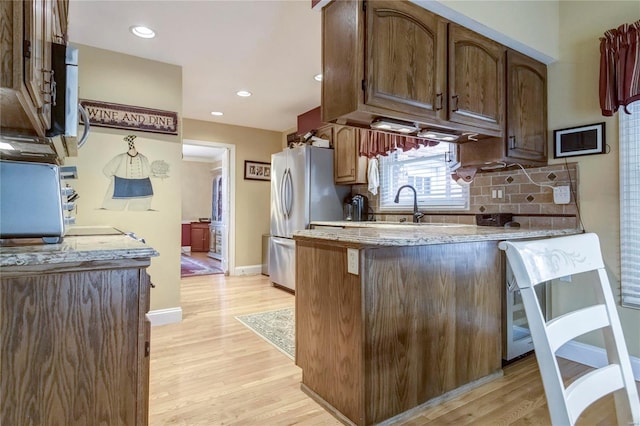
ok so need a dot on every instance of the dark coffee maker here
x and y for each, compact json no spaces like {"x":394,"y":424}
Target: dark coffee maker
{"x":360,"y":208}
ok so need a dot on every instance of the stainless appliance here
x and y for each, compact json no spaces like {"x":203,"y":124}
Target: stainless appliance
{"x":516,"y":333}
{"x":302,"y":191}
{"x":65,"y":103}
{"x":32,"y":202}
{"x":360,"y":205}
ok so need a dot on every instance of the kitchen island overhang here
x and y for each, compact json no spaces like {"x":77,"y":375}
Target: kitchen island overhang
{"x":422,"y":318}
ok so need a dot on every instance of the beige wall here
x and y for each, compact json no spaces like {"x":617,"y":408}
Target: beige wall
{"x":573,"y":101}
{"x":113,"y":77}
{"x":197,"y":189}
{"x":252,"y":197}
{"x":531,"y":26}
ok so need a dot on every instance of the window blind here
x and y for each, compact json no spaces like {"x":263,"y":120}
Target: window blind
{"x":630,"y":205}
{"x":427,"y":171}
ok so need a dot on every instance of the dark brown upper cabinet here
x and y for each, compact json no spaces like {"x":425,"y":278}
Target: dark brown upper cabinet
{"x":405,"y":59}
{"x":526,"y":108}
{"x":476,"y":80}
{"x":389,"y":59}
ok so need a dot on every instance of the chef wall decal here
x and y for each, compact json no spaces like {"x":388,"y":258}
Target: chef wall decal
{"x":130,"y":174}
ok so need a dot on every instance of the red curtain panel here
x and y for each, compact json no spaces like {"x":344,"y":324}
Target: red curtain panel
{"x":619,"y":68}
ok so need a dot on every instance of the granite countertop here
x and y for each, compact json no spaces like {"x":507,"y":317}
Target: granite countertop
{"x":395,"y":234}
{"x":81,"y":244}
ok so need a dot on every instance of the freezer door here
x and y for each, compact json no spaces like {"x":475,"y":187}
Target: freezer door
{"x":282,"y":262}
{"x":325,"y":198}
{"x":278,"y":183}
{"x":298,"y":189}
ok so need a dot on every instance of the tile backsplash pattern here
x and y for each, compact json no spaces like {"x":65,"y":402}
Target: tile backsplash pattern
{"x":531,"y":205}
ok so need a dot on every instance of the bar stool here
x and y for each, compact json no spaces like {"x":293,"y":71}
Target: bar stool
{"x":534,"y":262}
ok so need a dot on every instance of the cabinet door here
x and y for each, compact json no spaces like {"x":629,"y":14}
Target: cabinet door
{"x":75,"y":358}
{"x":38,"y":20}
{"x":526,"y":108}
{"x":347,"y":162}
{"x":199,"y":238}
{"x":144,"y":348}
{"x":406,"y":58}
{"x":476,"y":80}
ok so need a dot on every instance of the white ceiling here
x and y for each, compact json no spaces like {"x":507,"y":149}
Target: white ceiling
{"x":271,"y":48}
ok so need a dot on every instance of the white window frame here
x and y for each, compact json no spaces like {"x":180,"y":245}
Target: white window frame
{"x":629,"y":141}
{"x":442,"y":158}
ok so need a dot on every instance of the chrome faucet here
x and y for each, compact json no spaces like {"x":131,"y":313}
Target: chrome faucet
{"x":416,"y":214}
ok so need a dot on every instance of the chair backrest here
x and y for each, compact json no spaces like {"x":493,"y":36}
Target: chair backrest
{"x":537,"y":261}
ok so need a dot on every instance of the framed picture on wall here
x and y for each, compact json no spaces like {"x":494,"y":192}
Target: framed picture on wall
{"x":257,"y":170}
{"x":583,"y":140}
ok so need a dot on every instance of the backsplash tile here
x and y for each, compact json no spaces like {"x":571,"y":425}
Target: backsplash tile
{"x":531,"y":204}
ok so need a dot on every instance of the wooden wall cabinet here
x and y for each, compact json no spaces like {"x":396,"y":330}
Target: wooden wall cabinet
{"x":526,"y":108}
{"x":200,"y":237}
{"x":348,"y":166}
{"x":526,"y":117}
{"x":75,"y":343}
{"x":476,"y":80}
{"x":26,"y":80}
{"x":399,"y":68}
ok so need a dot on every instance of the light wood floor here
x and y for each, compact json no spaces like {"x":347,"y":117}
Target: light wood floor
{"x":212,"y":370}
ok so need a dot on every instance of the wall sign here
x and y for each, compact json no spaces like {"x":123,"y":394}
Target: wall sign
{"x":118,"y":116}
{"x":583,"y":140}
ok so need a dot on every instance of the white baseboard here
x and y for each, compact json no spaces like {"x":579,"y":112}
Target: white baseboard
{"x":165,"y":316}
{"x":247,"y":270}
{"x":185,"y":249}
{"x":592,"y":356}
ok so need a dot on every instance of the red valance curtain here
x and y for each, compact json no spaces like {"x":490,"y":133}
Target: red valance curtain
{"x":374,"y":143}
{"x":619,"y":68}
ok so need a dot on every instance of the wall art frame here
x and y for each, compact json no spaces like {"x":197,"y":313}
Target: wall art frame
{"x":582,"y":140}
{"x":257,"y":170}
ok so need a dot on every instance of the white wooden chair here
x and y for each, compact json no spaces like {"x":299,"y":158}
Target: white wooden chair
{"x":534,"y":262}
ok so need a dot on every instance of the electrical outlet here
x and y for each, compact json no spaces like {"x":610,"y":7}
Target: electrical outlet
{"x":497,"y":193}
{"x":352,"y":261}
{"x":561,"y":195}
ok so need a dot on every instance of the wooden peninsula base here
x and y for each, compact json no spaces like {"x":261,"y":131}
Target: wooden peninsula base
{"x":415,"y":323}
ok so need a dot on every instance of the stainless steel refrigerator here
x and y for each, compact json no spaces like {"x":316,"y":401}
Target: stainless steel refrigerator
{"x":302,"y":191}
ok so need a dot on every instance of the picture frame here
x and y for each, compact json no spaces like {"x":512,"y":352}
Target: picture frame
{"x":257,"y":170}
{"x":582,"y":140}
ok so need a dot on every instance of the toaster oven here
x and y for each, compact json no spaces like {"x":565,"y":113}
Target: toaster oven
{"x":32,"y":201}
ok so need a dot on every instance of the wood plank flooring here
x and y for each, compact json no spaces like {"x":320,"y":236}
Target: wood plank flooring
{"x":212,"y":370}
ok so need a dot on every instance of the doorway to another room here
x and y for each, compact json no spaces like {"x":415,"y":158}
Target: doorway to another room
{"x":207,"y":208}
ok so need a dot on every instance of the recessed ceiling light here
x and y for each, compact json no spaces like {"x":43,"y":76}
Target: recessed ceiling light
{"x":317,"y":77}
{"x":216,"y":113}
{"x":142,"y":31}
{"x":243,"y":93}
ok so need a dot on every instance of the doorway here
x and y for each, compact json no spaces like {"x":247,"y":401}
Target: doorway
{"x":208,"y":201}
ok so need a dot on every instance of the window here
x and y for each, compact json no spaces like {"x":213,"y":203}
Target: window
{"x":427,"y":170}
{"x":630,"y":205}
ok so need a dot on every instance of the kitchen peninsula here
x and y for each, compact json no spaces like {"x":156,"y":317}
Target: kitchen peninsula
{"x":74,"y":337}
{"x":389,"y":317}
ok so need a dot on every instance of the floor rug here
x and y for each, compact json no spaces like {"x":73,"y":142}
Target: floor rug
{"x":276,"y":327}
{"x":190,"y":267}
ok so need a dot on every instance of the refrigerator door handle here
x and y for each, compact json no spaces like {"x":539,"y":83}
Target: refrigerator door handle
{"x":289,"y":193}
{"x":282,"y":194}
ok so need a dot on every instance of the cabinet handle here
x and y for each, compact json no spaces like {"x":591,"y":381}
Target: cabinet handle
{"x":438,"y":101}
{"x":455,"y":98}
{"x":512,"y":142}
{"x":147,"y":349}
